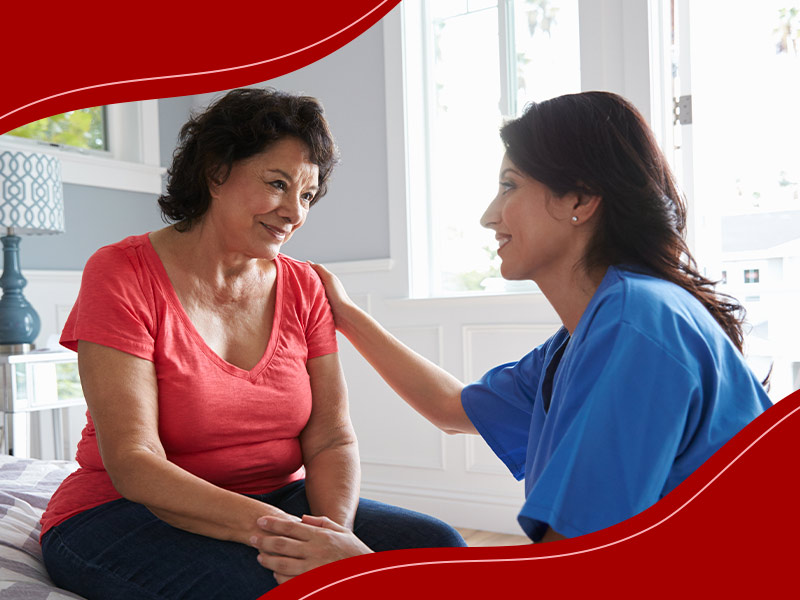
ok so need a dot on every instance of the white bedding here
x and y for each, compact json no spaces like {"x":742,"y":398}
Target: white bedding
{"x":26,"y":485}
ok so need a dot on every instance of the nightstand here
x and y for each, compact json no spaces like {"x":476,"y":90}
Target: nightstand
{"x":34,"y":382}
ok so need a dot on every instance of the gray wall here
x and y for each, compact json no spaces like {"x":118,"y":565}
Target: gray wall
{"x":352,"y":221}
{"x":94,"y":217}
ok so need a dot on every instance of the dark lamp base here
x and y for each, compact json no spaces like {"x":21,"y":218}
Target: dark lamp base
{"x":19,"y":323}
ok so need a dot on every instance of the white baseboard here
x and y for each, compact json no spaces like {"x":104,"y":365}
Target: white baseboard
{"x":482,"y":511}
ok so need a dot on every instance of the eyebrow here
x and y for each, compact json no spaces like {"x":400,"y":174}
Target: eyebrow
{"x":289,"y":177}
{"x":506,"y":170}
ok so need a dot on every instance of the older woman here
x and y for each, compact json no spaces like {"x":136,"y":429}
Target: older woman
{"x":209,"y":365}
{"x":644,"y":380}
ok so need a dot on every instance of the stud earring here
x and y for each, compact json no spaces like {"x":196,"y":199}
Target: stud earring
{"x":574,"y":218}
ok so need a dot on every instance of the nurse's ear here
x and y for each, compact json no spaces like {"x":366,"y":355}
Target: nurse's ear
{"x":584,"y":207}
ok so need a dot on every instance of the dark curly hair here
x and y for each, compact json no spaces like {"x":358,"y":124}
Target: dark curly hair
{"x":598,"y":143}
{"x":240,"y":124}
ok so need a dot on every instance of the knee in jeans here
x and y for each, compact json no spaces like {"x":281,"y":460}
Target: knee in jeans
{"x":442,"y":535}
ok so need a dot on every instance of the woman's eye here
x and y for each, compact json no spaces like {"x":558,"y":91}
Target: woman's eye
{"x":307,"y":198}
{"x":506,"y":185}
{"x":278,"y":185}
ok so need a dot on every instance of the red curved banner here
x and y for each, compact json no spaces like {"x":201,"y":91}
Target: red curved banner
{"x":729,"y":530}
{"x":61,"y":56}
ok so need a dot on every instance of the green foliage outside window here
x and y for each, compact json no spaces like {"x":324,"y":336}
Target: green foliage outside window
{"x":473,"y":281}
{"x":83,"y":128}
{"x":69,"y":382}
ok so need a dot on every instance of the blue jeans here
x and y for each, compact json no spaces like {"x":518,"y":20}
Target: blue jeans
{"x":120,"y":550}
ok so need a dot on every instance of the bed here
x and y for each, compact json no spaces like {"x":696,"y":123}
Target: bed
{"x":26,"y":485}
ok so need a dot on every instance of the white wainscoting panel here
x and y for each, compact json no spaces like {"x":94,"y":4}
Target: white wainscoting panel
{"x":389,"y":431}
{"x":486,"y":346}
{"x":473,"y":509}
{"x":52,"y":294}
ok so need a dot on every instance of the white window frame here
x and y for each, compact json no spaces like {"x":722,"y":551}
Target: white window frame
{"x":132,"y":163}
{"x":617,"y":42}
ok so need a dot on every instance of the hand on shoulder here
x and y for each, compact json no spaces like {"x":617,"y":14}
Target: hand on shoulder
{"x":334,"y":290}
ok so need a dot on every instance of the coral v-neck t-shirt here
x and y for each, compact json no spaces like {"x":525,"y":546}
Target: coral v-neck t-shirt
{"x":235,"y":428}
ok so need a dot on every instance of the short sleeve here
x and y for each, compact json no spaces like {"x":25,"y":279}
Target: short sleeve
{"x":111,"y":308}
{"x":501,"y":403}
{"x":622,"y":409}
{"x":320,"y":328}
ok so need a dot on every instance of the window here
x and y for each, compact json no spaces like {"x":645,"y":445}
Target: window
{"x":741,"y":164}
{"x":751,"y":275}
{"x":114,"y":146}
{"x":82,"y":129}
{"x":480,"y":62}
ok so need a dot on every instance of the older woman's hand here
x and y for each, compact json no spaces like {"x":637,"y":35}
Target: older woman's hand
{"x":291,"y":548}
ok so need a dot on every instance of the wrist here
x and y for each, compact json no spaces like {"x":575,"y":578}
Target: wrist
{"x":346,"y":317}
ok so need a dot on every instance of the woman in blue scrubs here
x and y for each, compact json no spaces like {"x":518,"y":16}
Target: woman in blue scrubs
{"x":645,"y":379}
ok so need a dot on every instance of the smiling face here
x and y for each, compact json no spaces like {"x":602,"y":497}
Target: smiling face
{"x":533,"y":227}
{"x":264,"y":200}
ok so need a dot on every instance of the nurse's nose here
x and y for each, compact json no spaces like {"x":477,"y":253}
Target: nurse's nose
{"x":491,"y":216}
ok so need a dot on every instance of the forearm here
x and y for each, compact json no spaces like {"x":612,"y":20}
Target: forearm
{"x":186,"y":501}
{"x":426,"y":387}
{"x":333,"y":481}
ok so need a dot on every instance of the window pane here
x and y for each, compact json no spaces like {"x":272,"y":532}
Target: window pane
{"x":547,"y":49}
{"x":465,"y":148}
{"x":746,"y":160}
{"x":83,"y":128}
{"x":443,"y":9}
{"x":465,"y":117}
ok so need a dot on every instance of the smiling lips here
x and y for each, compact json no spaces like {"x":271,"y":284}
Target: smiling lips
{"x":502,"y":240}
{"x":279,"y":234}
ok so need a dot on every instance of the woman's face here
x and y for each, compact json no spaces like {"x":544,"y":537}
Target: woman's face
{"x":265,"y":199}
{"x":532,"y":226}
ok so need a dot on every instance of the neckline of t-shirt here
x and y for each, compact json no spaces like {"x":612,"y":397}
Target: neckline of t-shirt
{"x":162,"y":277}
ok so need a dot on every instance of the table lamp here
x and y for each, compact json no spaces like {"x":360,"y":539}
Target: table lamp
{"x":31,"y":202}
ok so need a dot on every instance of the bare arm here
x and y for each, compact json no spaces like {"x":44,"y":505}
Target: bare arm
{"x":121,"y":392}
{"x":426,"y":387}
{"x":551,"y":536}
{"x":328,"y":442}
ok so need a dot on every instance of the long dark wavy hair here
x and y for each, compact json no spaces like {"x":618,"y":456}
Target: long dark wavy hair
{"x":240,"y":124}
{"x":597,"y":143}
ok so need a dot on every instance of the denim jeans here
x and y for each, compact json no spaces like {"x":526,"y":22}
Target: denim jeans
{"x":120,"y":550}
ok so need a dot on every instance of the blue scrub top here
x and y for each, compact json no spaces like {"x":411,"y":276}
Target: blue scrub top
{"x":604,"y":423}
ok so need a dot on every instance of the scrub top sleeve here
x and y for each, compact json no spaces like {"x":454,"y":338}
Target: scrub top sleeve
{"x":500,"y":405}
{"x":622,"y":406}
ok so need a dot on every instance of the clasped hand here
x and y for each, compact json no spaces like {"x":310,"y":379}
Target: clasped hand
{"x":290,"y":548}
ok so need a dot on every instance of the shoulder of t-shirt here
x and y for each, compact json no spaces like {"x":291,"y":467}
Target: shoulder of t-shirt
{"x":300,"y":270}
{"x":120,"y":253}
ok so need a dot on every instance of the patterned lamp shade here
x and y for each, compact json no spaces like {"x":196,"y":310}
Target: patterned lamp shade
{"x":31,"y":201}
{"x":31,"y":195}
